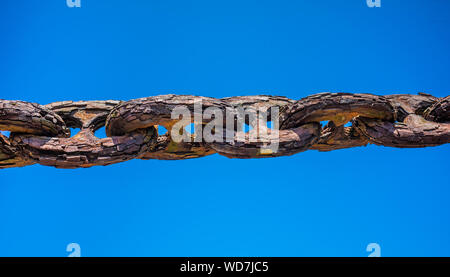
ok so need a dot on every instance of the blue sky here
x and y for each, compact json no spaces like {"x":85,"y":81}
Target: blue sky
{"x":310,"y":204}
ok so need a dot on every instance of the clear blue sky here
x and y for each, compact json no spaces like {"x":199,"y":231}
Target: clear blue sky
{"x":310,"y":204}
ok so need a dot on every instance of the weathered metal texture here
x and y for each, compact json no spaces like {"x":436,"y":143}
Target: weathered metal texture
{"x":339,"y":108}
{"x":40,"y":133}
{"x":256,"y":145}
{"x":261,"y":103}
{"x":84,"y":149}
{"x":152,"y":111}
{"x":29,"y":118}
{"x":413,"y":132}
{"x":405,"y":104}
{"x":439,"y":111}
{"x":339,"y":137}
{"x":83,"y":114}
{"x":167,"y":149}
{"x":258,"y":101}
{"x":9,"y":155}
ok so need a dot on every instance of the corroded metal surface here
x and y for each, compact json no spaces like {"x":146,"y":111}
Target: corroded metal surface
{"x":337,"y":107}
{"x":40,"y":134}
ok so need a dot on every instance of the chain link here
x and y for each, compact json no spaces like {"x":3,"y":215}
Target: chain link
{"x":41,"y":134}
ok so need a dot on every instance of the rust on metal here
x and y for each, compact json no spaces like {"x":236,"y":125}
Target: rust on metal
{"x":40,"y":133}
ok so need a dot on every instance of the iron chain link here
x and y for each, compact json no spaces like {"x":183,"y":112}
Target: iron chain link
{"x":40,"y":133}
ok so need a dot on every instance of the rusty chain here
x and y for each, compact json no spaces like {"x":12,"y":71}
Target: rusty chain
{"x":40,"y":133}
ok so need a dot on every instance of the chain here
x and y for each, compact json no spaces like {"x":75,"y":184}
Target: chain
{"x":40,"y":133}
